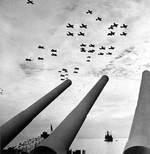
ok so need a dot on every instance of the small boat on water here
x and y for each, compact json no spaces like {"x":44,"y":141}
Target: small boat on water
{"x":108,"y":137}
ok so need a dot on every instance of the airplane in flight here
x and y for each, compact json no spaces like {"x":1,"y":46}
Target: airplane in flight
{"x":70,"y":25}
{"x":80,"y":34}
{"x":75,"y":72}
{"x":123,"y":34}
{"x":53,"y":50}
{"x":30,"y":2}
{"x":83,"y":45}
{"x":124,"y":26}
{"x":69,"y":34}
{"x":112,"y":48}
{"x":109,"y":53}
{"x":115,"y":25}
{"x":100,"y":53}
{"x":64,"y":69}
{"x":98,"y":19}
{"x":40,"y":58}
{"x":76,"y":68}
{"x":82,"y":50}
{"x":111,"y":33}
{"x":28,"y":59}
{"x":102,"y":48}
{"x":83,"y":26}
{"x":92,"y":45}
{"x":91,"y":51}
{"x":89,"y":12}
{"x":53,"y":54}
{"x":111,"y":27}
{"x":41,"y":47}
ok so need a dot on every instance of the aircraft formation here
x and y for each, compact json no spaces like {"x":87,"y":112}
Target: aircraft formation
{"x":71,"y":26}
{"x":103,"y":50}
{"x":88,"y":59}
{"x":88,"y":48}
{"x":82,"y":26}
{"x":53,"y":53}
{"x":91,"y":48}
{"x":115,"y":25}
{"x":64,"y":73}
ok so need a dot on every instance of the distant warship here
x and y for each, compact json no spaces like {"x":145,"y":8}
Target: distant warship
{"x":108,"y":137}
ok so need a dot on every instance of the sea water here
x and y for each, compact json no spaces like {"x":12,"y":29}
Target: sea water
{"x":99,"y":146}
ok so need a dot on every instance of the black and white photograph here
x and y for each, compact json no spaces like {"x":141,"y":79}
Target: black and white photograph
{"x":74,"y":77}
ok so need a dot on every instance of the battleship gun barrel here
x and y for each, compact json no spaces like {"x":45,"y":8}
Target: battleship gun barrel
{"x":14,"y":126}
{"x":60,"y":140}
{"x":139,"y":138}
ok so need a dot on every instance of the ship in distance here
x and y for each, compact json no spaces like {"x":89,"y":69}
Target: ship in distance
{"x":108,"y":137}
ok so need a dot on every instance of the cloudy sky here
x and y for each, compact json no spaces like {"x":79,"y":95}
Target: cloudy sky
{"x":23,"y":27}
